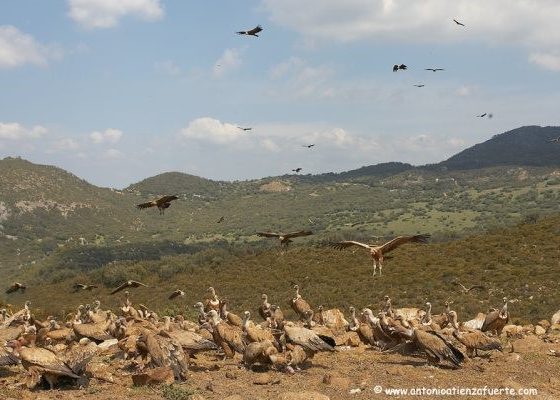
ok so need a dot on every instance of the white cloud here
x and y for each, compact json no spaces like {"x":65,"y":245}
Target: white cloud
{"x":18,"y":48}
{"x":16,"y":131}
{"x":299,"y":79}
{"x":532,"y":23}
{"x":65,"y":144}
{"x":270,"y":145}
{"x":168,"y":67}
{"x":228,"y":61}
{"x":212,"y":130}
{"x":106,"y":13}
{"x":112,"y":154}
{"x":464,"y":91}
{"x":548,"y":61}
{"x":108,"y":136}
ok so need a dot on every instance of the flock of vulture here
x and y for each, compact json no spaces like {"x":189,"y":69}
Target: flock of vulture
{"x":140,"y":341}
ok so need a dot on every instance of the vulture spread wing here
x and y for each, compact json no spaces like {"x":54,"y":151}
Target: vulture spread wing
{"x":268,"y":234}
{"x":166,"y":199}
{"x":400,"y":240}
{"x":147,"y":205}
{"x":255,"y":30}
{"x":347,"y":243}
{"x":297,"y":234}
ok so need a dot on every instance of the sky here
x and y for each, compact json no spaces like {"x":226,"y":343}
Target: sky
{"x":115,"y":91}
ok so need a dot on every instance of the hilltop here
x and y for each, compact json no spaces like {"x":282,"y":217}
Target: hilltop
{"x":44,"y":208}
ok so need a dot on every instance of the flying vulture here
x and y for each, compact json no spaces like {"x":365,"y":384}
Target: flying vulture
{"x":557,"y":140}
{"x":296,"y":170}
{"x":308,"y":145}
{"x":284,"y":237}
{"x":458,"y":23}
{"x":176,"y":293}
{"x":397,"y":67}
{"x":377,"y":251}
{"x":252,"y":32}
{"x":420,"y":85}
{"x":434,"y":69}
{"x":81,"y":286}
{"x":220,"y":220}
{"x":465,"y":289}
{"x":161,"y":203}
{"x":244,"y":129}
{"x":128,"y":284}
{"x":15,"y":287}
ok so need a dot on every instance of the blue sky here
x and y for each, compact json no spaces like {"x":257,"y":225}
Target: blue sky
{"x":116,"y":91}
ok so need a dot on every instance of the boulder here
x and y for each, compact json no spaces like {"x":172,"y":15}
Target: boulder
{"x":156,"y":376}
{"x":529,"y":344}
{"x":539,"y":330}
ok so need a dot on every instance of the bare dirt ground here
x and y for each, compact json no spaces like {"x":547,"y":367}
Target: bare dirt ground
{"x":351,"y":373}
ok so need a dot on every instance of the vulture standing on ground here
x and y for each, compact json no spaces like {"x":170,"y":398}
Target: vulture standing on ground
{"x":15,"y":287}
{"x":228,"y":337}
{"x":299,"y":305}
{"x":473,"y":340}
{"x":128,"y":284}
{"x":264,"y":309}
{"x":161,"y":203}
{"x":252,"y":32}
{"x":434,"y":346}
{"x":284,"y":237}
{"x":496,"y":319}
{"x":39,"y":363}
{"x":377,"y":251}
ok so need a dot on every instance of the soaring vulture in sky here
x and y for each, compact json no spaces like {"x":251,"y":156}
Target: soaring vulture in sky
{"x":161,"y":203}
{"x":434,"y":69}
{"x":284,"y":237}
{"x":252,"y":32}
{"x":297,"y":170}
{"x":397,"y":67}
{"x":377,"y":251}
{"x":458,"y":23}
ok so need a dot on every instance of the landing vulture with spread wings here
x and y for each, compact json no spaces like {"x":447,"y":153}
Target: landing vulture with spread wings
{"x":377,"y":251}
{"x":252,"y":32}
{"x":285,"y":238}
{"x":161,"y":203}
{"x":128,"y":284}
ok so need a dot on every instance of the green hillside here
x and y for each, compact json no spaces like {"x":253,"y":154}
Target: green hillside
{"x":520,"y":262}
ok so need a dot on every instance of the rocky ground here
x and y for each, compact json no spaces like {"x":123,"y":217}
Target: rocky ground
{"x":351,"y":373}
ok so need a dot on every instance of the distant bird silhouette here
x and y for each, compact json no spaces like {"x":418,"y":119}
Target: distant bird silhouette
{"x":489,"y":115}
{"x":244,"y":129}
{"x":308,"y":145}
{"x":296,"y":170}
{"x":464,"y":289}
{"x":81,"y":286}
{"x":434,"y":69}
{"x":15,"y":287}
{"x":284,"y":237}
{"x":458,"y":23}
{"x":161,"y":203}
{"x":397,"y":67}
{"x":220,"y":220}
{"x":128,"y":284}
{"x":557,"y":140}
{"x":252,"y":32}
{"x":420,"y":85}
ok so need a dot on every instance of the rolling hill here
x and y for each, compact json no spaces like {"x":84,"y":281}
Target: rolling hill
{"x":44,"y":209}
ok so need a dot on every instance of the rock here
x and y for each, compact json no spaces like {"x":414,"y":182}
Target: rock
{"x":302,"y":396}
{"x":529,"y":344}
{"x":265,"y":379}
{"x":100,"y":371}
{"x":544,"y":323}
{"x":528,"y":328}
{"x":231,"y":375}
{"x":512,"y":330}
{"x":348,"y":339}
{"x":539,"y":330}
{"x":156,"y":376}
{"x":355,"y":391}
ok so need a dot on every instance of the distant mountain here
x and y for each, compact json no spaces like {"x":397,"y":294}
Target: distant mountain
{"x":525,"y":146}
{"x":177,"y":183}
